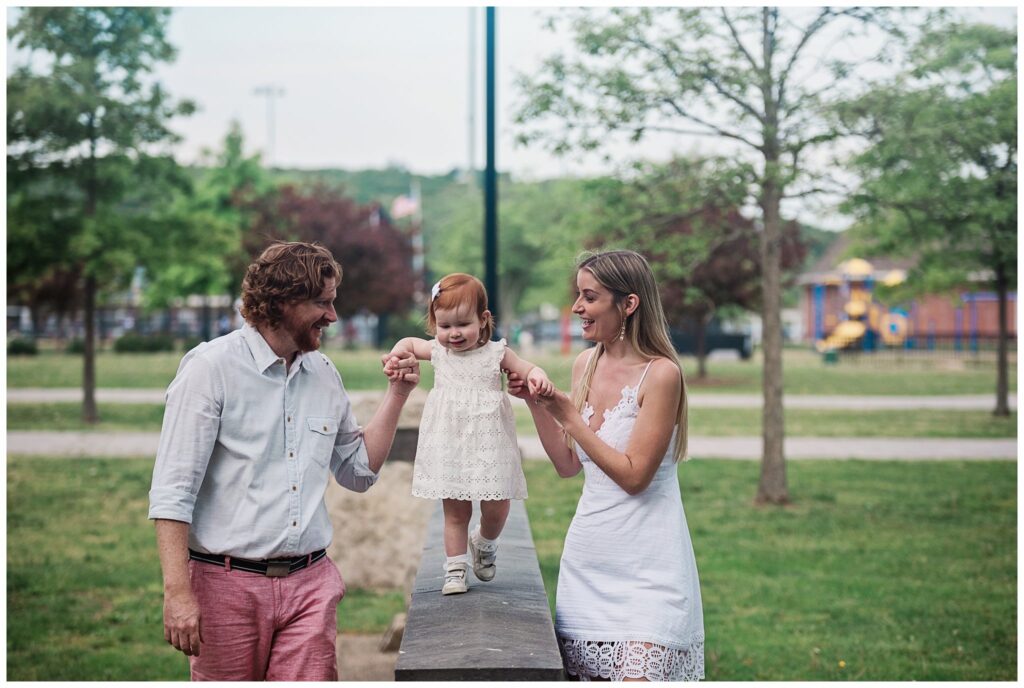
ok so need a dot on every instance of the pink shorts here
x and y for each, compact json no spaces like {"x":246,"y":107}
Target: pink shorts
{"x":256,"y":628}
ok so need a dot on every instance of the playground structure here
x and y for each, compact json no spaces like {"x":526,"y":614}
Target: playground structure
{"x":866,"y":321}
{"x":843,"y":313}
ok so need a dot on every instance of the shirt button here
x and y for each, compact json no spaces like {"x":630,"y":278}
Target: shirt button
{"x":291,"y":455}
{"x":294,"y":523}
{"x":325,"y":428}
{"x":289,"y":419}
{"x":294,"y":488}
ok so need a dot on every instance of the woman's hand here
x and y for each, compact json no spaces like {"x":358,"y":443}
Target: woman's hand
{"x":538,"y":382}
{"x":558,"y":404}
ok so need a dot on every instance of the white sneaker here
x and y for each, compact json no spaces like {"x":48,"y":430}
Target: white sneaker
{"x":483,"y":559}
{"x":455,"y":579}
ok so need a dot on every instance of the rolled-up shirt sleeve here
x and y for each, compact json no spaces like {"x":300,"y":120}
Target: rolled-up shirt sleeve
{"x":187,"y":439}
{"x":349,"y":461}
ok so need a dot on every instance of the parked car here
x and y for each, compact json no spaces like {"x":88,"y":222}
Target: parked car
{"x":685,"y":342}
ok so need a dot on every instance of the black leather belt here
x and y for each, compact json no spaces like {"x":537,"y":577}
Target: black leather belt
{"x":273,"y":568}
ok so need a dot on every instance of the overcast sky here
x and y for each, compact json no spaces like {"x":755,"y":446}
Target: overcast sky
{"x":366,"y":87}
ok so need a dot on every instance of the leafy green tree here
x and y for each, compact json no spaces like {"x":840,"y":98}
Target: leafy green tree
{"x":684,"y":216}
{"x":376,"y":258}
{"x":748,"y":76}
{"x":542,"y":227}
{"x":88,"y":162}
{"x":203,"y":253}
{"x":939,"y":177}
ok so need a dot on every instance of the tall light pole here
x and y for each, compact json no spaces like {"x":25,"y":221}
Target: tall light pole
{"x":271,"y":92}
{"x":491,"y":182}
{"x":471,"y":172}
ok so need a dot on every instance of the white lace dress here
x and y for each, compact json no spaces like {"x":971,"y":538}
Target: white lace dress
{"x":467,"y":447}
{"x":628,"y":603}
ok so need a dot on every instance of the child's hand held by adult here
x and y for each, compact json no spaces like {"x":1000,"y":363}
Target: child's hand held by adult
{"x":538,"y":382}
{"x":517,"y":386}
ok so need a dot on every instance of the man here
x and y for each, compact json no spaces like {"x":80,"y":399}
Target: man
{"x":255,"y":421}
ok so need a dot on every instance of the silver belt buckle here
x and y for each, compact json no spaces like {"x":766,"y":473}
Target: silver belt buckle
{"x":278,"y":569}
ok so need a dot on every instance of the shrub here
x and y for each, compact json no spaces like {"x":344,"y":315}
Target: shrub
{"x":131,"y":342}
{"x":21,"y":346}
{"x":75,"y":346}
{"x":189,"y":343}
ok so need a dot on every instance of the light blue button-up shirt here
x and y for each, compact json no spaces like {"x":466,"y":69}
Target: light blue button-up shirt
{"x":247,"y":446}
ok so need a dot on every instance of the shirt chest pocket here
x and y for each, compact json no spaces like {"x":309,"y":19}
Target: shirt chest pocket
{"x":320,"y":436}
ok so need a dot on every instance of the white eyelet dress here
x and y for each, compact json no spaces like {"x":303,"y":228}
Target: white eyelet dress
{"x":467,"y":447}
{"x":628,"y":603}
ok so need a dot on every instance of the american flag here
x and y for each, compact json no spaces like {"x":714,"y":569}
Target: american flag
{"x":403,"y":206}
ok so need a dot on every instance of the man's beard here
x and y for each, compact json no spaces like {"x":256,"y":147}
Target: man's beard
{"x":302,"y":333}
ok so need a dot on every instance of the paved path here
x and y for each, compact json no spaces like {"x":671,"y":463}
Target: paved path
{"x":966,"y":402}
{"x":872,"y":448}
{"x":124,"y":444}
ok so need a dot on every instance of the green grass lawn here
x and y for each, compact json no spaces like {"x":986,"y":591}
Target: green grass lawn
{"x":66,"y":416}
{"x":804,"y":373}
{"x":84,"y":593}
{"x":709,"y":421}
{"x":901,"y":571}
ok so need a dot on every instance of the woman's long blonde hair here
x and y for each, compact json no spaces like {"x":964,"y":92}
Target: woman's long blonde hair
{"x":624,"y":273}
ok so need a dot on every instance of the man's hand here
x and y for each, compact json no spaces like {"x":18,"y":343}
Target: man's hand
{"x":181,"y":621}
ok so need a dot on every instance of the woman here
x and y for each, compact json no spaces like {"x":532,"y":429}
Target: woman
{"x":628,"y":604}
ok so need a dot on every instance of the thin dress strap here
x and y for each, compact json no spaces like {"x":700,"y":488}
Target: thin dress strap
{"x":644,"y":375}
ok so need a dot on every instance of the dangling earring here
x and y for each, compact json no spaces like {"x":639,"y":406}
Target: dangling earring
{"x":622,"y":330}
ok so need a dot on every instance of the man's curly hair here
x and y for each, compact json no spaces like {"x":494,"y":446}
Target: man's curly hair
{"x":286,"y":272}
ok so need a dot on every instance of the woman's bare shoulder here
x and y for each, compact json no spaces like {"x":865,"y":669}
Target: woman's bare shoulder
{"x":663,"y":375}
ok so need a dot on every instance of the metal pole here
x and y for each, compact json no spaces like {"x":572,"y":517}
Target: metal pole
{"x":271,"y":92}
{"x":491,"y":183}
{"x":471,"y":167}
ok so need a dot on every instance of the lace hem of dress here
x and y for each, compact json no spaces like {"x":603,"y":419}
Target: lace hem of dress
{"x":619,"y":660}
{"x":470,"y":496}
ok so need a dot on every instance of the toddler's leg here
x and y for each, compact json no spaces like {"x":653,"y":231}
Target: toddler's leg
{"x":457,"y":513}
{"x":493,"y":514}
{"x":483,"y":543}
{"x":456,"y":526}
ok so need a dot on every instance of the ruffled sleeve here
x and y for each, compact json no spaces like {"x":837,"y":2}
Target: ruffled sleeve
{"x":498,"y":348}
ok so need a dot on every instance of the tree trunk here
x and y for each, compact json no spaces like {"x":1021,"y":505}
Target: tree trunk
{"x":702,"y":353}
{"x":382,"y":329}
{"x":89,"y":411}
{"x":1002,"y":366}
{"x":205,"y":327}
{"x":772,"y":487}
{"x":38,"y":323}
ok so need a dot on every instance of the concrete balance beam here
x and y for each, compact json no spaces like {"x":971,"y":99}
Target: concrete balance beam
{"x":498,"y":631}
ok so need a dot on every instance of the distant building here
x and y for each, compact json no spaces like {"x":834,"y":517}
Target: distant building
{"x":840,"y":309}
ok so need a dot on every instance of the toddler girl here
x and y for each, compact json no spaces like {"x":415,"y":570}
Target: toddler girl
{"x":467,"y":446}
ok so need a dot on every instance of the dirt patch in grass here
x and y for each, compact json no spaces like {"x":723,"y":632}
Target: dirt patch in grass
{"x":378,"y":538}
{"x":378,"y":534}
{"x":360,"y":660}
